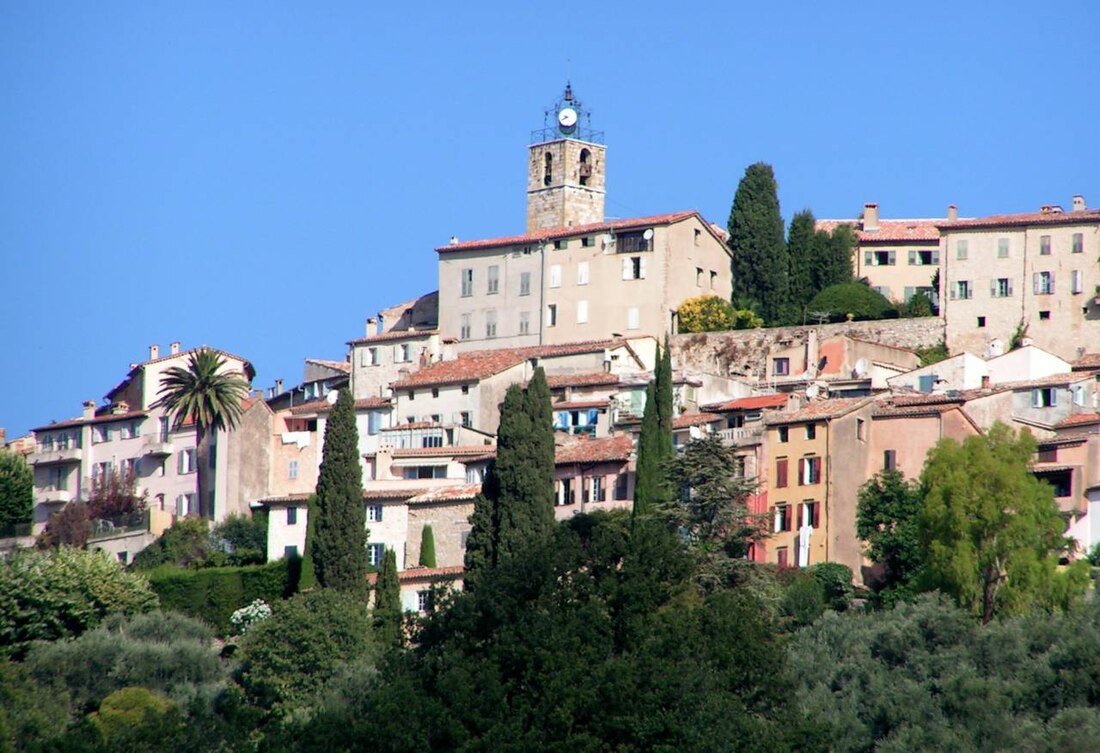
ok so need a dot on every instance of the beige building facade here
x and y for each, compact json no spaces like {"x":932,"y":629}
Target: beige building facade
{"x":1035,"y":274}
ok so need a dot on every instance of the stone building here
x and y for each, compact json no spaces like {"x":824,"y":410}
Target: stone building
{"x":1033,"y":276}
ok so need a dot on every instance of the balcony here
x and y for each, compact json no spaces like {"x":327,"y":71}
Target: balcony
{"x":157,"y":446}
{"x":56,"y":455}
{"x":54,"y":496}
{"x":741,"y":436}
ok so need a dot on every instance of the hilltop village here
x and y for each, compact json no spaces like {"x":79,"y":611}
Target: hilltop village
{"x":812,"y":411}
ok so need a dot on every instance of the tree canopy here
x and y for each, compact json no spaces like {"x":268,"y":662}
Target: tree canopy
{"x":756,"y":239}
{"x":16,"y":491}
{"x":339,"y":544}
{"x":855,"y":298}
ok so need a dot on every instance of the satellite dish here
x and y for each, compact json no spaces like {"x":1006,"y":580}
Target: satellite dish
{"x":330,"y":398}
{"x":812,"y":391}
{"x":861,"y":368}
{"x":648,"y":234}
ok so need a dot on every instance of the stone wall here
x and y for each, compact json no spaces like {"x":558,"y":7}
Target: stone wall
{"x":744,"y":352}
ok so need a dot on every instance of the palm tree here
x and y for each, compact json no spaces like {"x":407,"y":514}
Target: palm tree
{"x":209,"y":396}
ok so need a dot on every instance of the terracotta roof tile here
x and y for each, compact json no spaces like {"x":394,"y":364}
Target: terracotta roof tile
{"x":889,"y":231}
{"x":1053,"y":380}
{"x":580,"y":404}
{"x":394,"y":494}
{"x":430,"y":573}
{"x":413,"y":425}
{"x":559,"y":381}
{"x":1087,"y":361}
{"x":694,"y":419}
{"x":569,"y":232}
{"x":343,"y":366}
{"x":101,"y":419}
{"x":323,"y":406}
{"x":756,"y":402}
{"x":819,"y":409}
{"x":456,"y":493}
{"x":436,"y":452}
{"x":394,"y":334}
{"x":584,"y":450}
{"x":1079,"y":419}
{"x":1023,"y":218}
{"x":1063,"y":439}
{"x":476,"y":365}
{"x":286,"y":499}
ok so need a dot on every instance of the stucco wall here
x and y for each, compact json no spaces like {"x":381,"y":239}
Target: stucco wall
{"x":450,"y":526}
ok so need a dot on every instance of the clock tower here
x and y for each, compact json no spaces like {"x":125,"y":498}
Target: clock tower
{"x":565,"y":168}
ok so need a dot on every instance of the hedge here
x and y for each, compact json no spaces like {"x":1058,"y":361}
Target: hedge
{"x":212,"y":594}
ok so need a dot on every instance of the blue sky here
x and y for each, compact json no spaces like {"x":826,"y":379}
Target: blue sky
{"x":261,"y":177}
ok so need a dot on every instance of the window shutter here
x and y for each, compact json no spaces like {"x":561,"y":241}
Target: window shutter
{"x":993,"y":288}
{"x":867,"y":259}
{"x":378,"y":513}
{"x":179,"y":464}
{"x":641,"y":273}
{"x":817,"y":468}
{"x":781,"y":473}
{"x":1035,"y":398}
{"x":786,"y":517}
{"x":777,"y":523}
{"x":912,"y":257}
{"x":893,"y":258}
{"x":1051,"y":278}
{"x":815,"y":511}
{"x":801,"y":517}
{"x":1035,"y":283}
{"x":626,"y":268}
{"x":1053,"y":397}
{"x":802,"y":467}
{"x":954,"y":291}
{"x":936,"y":257}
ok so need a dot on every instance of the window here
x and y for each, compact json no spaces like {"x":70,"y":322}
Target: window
{"x":292,"y":516}
{"x":598,"y":492}
{"x":292,"y":470}
{"x":784,"y":434}
{"x":101,"y":471}
{"x":101,"y":434}
{"x":588,"y":241}
{"x":1044,"y":245}
{"x":465,"y":416}
{"x":375,"y":552}
{"x":467,"y":283}
{"x":374,"y":513}
{"x":879,"y":258}
{"x":781,"y":558}
{"x":524,"y":322}
{"x":548,"y":169}
{"x":565,"y":492}
{"x":434,"y":440}
{"x":128,"y":466}
{"x":1080,"y":393}
{"x":713,"y":279}
{"x":187,"y":462}
{"x":185,"y":505}
{"x":698,"y":277}
{"x":632,"y":318}
{"x":634,"y":268}
{"x":1044,"y":316}
{"x":465,"y":389}
{"x":1002,"y":248}
{"x":1078,"y":243}
{"x":1044,"y":397}
{"x":981,"y":322}
{"x":374,"y":422}
{"x":493,"y":281}
{"x":782,"y":518}
{"x":552,"y":315}
{"x":632,"y":242}
{"x":809,"y":471}
{"x":490,"y":324}
{"x":582,"y":312}
{"x":781,"y":473}
{"x":890,"y":460}
{"x":525,"y":283}
{"x":290,"y":552}
{"x":417,"y":472}
{"x":582,"y":273}
{"x":1042,"y":283}
{"x":962,"y":290}
{"x":621,"y":486}
{"x":1000,"y":287}
{"x":924,"y":258}
{"x":1077,"y":282}
{"x":781,"y":366}
{"x":424,"y":601}
{"x":809,"y":514}
{"x":464,"y":327}
{"x":555,"y":275}
{"x":811,"y":431}
{"x":129,"y":430}
{"x":561,"y":244}
{"x":861,"y":430}
{"x":402,"y":353}
{"x":961,"y":249}
{"x":698,"y":235}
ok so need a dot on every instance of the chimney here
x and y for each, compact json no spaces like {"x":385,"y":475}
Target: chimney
{"x":870,"y":216}
{"x":154,"y":352}
{"x":450,"y":349}
{"x":174,"y":348}
{"x":952,"y":213}
{"x":120,"y":407}
{"x":1078,"y":203}
{"x":89,"y":409}
{"x":371,"y":321}
{"x":811,"y":352}
{"x":985,"y":381}
{"x":278,"y":386}
{"x":3,"y":434}
{"x":454,"y":240}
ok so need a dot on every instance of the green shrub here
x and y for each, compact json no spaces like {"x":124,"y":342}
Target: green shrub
{"x":803,"y":600}
{"x":427,"y":547}
{"x":213,"y":594}
{"x":836,"y":580}
{"x":243,"y":539}
{"x":62,"y":593}
{"x":185,"y":544}
{"x":854,"y":298}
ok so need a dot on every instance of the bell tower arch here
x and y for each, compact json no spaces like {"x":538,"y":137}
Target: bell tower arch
{"x":565,"y":168}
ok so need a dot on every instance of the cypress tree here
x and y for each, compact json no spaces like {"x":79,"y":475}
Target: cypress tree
{"x":340,"y":534}
{"x":647,"y":469}
{"x":842,"y":244}
{"x":803,"y":258}
{"x":759,"y":265}
{"x":663,"y":394}
{"x":427,"y":547}
{"x":387,"y":600}
{"x":516,"y":504}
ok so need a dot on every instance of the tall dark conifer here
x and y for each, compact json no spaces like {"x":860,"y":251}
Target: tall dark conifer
{"x":340,"y":534}
{"x":647,"y":473}
{"x":387,"y":601}
{"x":760,"y":267}
{"x":800,"y":249}
{"x":663,"y":394}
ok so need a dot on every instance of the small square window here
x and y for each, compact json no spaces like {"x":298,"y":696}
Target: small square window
{"x":292,"y":516}
{"x":1044,"y":316}
{"x":811,"y":431}
{"x":784,"y":434}
{"x":781,"y":367}
{"x":981,"y":321}
{"x":435,"y":392}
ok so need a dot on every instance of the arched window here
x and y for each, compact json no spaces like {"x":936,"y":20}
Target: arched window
{"x":586,"y":166}
{"x":548,"y":171}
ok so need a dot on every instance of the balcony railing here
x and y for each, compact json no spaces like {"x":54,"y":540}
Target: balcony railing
{"x":741,"y":435}
{"x":120,"y":524}
{"x":53,"y":496}
{"x":54,"y":455}
{"x":157,"y":445}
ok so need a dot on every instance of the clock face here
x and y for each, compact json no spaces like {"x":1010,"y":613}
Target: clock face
{"x":567,"y":119}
